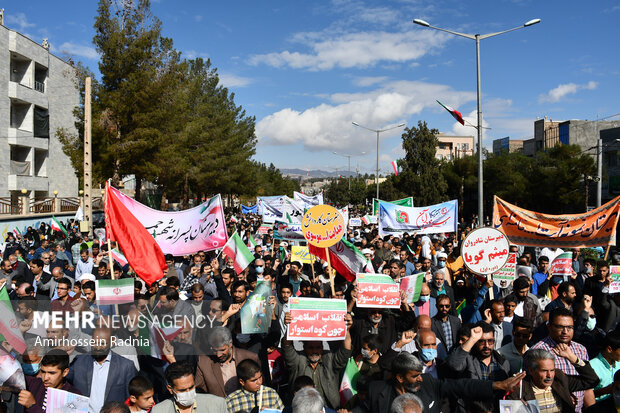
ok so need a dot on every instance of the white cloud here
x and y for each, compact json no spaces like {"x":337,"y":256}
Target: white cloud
{"x":198,"y":18}
{"x":349,"y":50}
{"x":19,"y":20}
{"x":369,"y":80}
{"x":560,"y":92}
{"x":328,"y":126}
{"x":229,"y":80}
{"x":79,"y":50}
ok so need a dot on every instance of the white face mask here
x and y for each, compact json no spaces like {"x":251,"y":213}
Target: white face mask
{"x":187,"y":398}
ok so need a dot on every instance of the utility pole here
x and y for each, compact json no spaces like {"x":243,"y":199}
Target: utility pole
{"x":87,"y":224}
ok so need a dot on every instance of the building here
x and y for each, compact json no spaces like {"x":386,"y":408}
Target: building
{"x":450,"y":147}
{"x":37,"y":96}
{"x":507,"y":145}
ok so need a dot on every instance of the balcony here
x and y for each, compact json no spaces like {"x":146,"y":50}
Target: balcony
{"x":26,"y":94}
{"x":33,"y":183}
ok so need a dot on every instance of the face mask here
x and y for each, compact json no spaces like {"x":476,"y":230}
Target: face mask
{"x":187,"y":398}
{"x":425,"y":298}
{"x":268,"y":245}
{"x":243,"y":338}
{"x":366,"y":354}
{"x":428,"y":354}
{"x":591,"y":323}
{"x":30,"y":369}
{"x":588,"y":270}
{"x":441,"y":264}
{"x":259,"y":270}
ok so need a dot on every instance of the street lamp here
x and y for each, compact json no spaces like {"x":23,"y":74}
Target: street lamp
{"x":378,"y":131}
{"x":477,"y":38}
{"x":349,"y":168}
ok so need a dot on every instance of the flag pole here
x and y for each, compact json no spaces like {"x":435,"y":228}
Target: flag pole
{"x":330,"y":271}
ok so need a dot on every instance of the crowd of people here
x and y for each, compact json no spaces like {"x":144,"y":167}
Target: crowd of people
{"x":544,"y":338}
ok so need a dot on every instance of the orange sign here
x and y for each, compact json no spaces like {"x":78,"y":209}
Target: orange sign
{"x":323,"y":226}
{"x":592,"y":229}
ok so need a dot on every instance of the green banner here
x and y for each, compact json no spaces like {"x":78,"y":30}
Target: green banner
{"x":402,"y":202}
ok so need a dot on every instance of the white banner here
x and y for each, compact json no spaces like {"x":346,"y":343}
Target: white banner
{"x":270,"y":207}
{"x":308,"y":201}
{"x":434,"y":219}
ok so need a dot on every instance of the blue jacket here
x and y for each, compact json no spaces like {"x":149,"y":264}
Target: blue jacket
{"x":470,"y":313}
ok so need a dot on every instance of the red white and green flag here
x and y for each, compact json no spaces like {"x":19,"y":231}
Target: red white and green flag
{"x":412,"y":286}
{"x":455,"y":113}
{"x":9,"y":327}
{"x":57,"y":226}
{"x":114,"y":291}
{"x":366,"y":220}
{"x":240,"y":254}
{"x":348,"y":385}
{"x":251,"y":242}
{"x":395,"y":166}
{"x":346,"y":259}
{"x":119,"y":257}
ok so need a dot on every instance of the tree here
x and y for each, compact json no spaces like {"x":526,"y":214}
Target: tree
{"x":421,"y":174}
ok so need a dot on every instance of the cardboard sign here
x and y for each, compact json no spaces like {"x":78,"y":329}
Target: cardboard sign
{"x":264,"y":229}
{"x":301,"y":254}
{"x":323,"y":226}
{"x":485,"y":251}
{"x":507,"y":273}
{"x":562,"y":265}
{"x":317,"y":319}
{"x":614,"y":271}
{"x":377,"y":291}
{"x":256,"y":312}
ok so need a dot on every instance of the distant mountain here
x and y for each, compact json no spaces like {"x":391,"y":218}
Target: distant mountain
{"x":313,"y":173}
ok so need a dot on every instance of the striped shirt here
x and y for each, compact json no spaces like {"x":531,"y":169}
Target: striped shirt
{"x":546,"y":401}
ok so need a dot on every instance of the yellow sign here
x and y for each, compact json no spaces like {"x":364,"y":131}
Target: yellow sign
{"x":301,"y":254}
{"x":323,"y":226}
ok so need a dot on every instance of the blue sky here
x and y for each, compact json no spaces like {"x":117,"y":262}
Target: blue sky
{"x":306,"y":70}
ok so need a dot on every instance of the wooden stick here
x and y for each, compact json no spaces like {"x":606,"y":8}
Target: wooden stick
{"x":607,"y":252}
{"x":330,"y":272}
{"x":491,"y":294}
{"x":110,"y":260}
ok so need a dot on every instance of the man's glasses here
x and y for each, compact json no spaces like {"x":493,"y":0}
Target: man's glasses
{"x":561,"y":327}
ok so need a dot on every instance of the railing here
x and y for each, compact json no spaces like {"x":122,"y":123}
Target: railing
{"x":69,"y":204}
{"x":41,"y":205}
{"x":39,"y":86}
{"x":10,"y":206}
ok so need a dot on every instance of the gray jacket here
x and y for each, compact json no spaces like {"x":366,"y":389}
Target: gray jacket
{"x":206,"y":403}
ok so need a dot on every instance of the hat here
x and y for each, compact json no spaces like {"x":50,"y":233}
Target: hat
{"x":86,"y":276}
{"x":441,"y":255}
{"x":366,"y":251}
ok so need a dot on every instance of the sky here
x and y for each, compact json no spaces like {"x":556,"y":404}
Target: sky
{"x":307,"y":70}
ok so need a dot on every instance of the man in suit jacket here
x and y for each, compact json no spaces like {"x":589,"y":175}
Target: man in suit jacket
{"x":183,"y":387}
{"x":503,"y":329}
{"x":103,"y":376}
{"x":216,"y":374}
{"x":446,"y":326}
{"x":407,"y":377}
{"x":545,"y":380}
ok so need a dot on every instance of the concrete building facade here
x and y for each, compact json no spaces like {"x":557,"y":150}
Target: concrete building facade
{"x":38,"y":94}
{"x":451,"y":147}
{"x":507,"y":145}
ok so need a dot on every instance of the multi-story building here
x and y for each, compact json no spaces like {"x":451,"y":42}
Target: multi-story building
{"x":38,"y":94}
{"x":507,"y":145}
{"x":450,"y":147}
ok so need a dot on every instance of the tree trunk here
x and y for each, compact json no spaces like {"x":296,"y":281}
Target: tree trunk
{"x":162,"y":205}
{"x":138,"y":192}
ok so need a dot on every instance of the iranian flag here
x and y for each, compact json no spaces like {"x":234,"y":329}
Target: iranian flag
{"x":412,"y":286}
{"x":366,"y":220}
{"x":455,"y":113}
{"x":346,"y":259}
{"x":240,"y":254}
{"x":119,"y":257}
{"x":114,"y":291}
{"x":234,"y":219}
{"x":348,"y":385}
{"x":251,"y":242}
{"x":57,"y":226}
{"x":395,"y":166}
{"x":9,"y":327}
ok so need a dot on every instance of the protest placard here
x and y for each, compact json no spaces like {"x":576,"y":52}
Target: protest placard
{"x":614,"y":272}
{"x":317,"y":319}
{"x":323,"y":226}
{"x":65,"y":402}
{"x":377,"y":291}
{"x":412,"y":286}
{"x":355,"y":222}
{"x":256,"y":312}
{"x":507,"y":273}
{"x":485,"y":251}
{"x":264,"y":229}
{"x":301,"y":254}
{"x":562,"y":265}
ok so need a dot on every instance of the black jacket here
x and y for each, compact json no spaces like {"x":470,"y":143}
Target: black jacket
{"x":455,"y":324}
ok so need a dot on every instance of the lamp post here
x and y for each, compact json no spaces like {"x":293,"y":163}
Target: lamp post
{"x":378,"y":131}
{"x":477,"y":38}
{"x":349,"y":167}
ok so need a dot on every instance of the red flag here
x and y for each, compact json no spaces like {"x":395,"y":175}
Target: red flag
{"x":139,"y":247}
{"x":455,"y":113}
